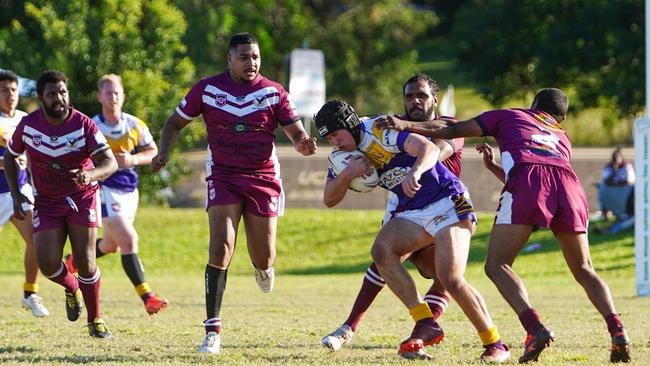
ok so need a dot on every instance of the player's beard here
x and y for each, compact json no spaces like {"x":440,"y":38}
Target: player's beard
{"x":420,"y":115}
{"x":52,"y":113}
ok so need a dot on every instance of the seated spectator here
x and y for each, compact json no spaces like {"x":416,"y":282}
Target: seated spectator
{"x":617,"y":183}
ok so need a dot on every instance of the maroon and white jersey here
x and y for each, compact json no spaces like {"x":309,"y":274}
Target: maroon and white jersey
{"x":54,"y":150}
{"x":241,"y":120}
{"x":527,"y":136}
{"x":453,"y":162}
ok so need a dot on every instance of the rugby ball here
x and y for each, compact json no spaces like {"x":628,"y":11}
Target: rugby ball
{"x":339,"y":160}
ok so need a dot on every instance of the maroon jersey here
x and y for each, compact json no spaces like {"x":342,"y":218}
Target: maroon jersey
{"x":527,"y":136}
{"x":241,"y":120}
{"x":453,"y":162}
{"x":54,"y":150}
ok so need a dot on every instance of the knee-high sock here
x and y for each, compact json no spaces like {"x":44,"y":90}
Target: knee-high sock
{"x":530,"y":320}
{"x":437,"y":302}
{"x":90,"y":291}
{"x":215,"y":286}
{"x":134,"y":270}
{"x":64,"y":278}
{"x":372,"y":284}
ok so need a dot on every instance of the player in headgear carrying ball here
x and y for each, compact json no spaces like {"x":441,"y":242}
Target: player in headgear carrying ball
{"x":433,"y":206}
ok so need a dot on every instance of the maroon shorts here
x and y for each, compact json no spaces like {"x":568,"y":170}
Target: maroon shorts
{"x":79,"y":209}
{"x":260,"y":195}
{"x":543,"y":195}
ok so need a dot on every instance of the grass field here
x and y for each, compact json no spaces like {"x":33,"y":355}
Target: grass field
{"x":322,"y":255}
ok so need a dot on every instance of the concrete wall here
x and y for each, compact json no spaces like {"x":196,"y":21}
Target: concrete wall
{"x":304,"y":178}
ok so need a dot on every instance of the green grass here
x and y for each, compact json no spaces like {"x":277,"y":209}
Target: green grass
{"x":322,"y":255}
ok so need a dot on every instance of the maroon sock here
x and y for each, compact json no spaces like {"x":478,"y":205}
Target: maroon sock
{"x":371,"y":286}
{"x":212,"y":325}
{"x":64,"y":278}
{"x":614,"y":323}
{"x":531,"y":321}
{"x":90,"y":291}
{"x":437,"y":302}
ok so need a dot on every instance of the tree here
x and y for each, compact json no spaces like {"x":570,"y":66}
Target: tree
{"x":370,"y":50}
{"x":139,"y":39}
{"x":593,"y":49}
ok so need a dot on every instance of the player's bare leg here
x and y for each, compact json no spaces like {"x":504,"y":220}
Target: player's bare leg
{"x":223,"y":221}
{"x":452,"y":251}
{"x":48,"y":245}
{"x":396,"y":238}
{"x":31,"y":300}
{"x":506,"y":240}
{"x":119,"y":232}
{"x":575,"y":247}
{"x":260,"y":236}
{"x":83,"y":240}
{"x":437,"y":296}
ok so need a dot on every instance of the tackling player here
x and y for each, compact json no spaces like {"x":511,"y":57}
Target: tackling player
{"x":433,"y":206}
{"x":241,"y":109}
{"x":420,"y":96}
{"x":541,"y":190}
{"x":9,"y":118}
{"x":67,"y":155}
{"x":132,"y":144}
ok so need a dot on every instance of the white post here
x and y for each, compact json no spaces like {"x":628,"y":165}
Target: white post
{"x":642,"y":185}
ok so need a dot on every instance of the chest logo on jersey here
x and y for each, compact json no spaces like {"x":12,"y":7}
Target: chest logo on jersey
{"x":239,"y":128}
{"x":37,"y":139}
{"x":259,"y":102}
{"x":393,"y":177}
{"x":71,"y":142}
{"x":54,"y":138}
{"x":377,"y":154}
{"x":57,"y":166}
{"x":220,"y":99}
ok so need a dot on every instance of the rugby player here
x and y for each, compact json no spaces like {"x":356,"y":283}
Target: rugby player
{"x":9,"y":118}
{"x":68,"y":155}
{"x":132,"y":144}
{"x":543,"y":190}
{"x":241,"y":109}
{"x":433,"y":206}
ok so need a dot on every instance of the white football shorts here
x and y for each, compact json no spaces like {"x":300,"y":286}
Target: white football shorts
{"x":7,"y":203}
{"x":441,"y":213}
{"x":116,"y":202}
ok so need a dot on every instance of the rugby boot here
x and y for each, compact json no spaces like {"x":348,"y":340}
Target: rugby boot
{"x":211,"y":343}
{"x":536,"y":343}
{"x":413,"y":349}
{"x":34,"y":303}
{"x":265,"y":278}
{"x":98,"y":329}
{"x":73,"y":304}
{"x":428,"y":331}
{"x":620,"y":347}
{"x":338,"y":338}
{"x":494,"y":354}
{"x":69,"y":262}
{"x":155,"y":304}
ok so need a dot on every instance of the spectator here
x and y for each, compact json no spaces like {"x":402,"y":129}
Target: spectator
{"x":617,"y":183}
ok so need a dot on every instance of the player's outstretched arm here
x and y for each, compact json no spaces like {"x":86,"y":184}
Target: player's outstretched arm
{"x":336,"y":188}
{"x":437,"y":128}
{"x":490,"y":162}
{"x":173,"y":126}
{"x":301,"y":141}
